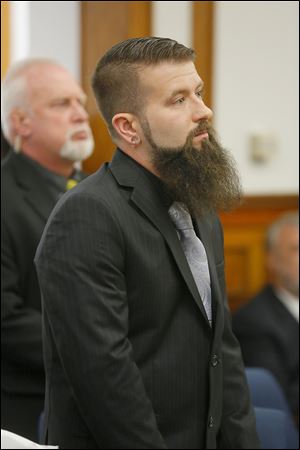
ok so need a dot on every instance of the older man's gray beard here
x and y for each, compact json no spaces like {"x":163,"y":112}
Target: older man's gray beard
{"x":204,"y":180}
{"x":78,"y":150}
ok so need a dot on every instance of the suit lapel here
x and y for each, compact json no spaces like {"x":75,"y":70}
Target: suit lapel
{"x":148,"y":200}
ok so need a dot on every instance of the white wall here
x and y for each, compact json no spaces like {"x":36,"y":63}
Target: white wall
{"x":47,"y":29}
{"x":173,"y":20}
{"x":256,"y":88}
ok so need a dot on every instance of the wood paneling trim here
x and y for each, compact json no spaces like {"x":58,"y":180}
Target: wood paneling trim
{"x":270,"y":201}
{"x":5,"y":41}
{"x":260,"y":210}
{"x":104,"y":24}
{"x":139,"y":18}
{"x":203,"y":29}
{"x":244,"y":243}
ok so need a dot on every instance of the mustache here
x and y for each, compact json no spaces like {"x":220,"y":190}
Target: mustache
{"x":203,"y":126}
{"x":178,"y":153}
{"x":78,"y":129}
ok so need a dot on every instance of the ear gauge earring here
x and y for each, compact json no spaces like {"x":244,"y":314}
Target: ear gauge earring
{"x":135,"y":140}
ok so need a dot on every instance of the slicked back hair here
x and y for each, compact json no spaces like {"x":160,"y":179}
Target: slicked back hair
{"x":116,"y":82}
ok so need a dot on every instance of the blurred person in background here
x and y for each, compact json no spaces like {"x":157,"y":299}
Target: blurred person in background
{"x":45,"y":122}
{"x":268,"y":326}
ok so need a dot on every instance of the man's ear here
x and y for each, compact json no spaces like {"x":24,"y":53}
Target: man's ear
{"x":21,"y":123}
{"x":125,"y":127}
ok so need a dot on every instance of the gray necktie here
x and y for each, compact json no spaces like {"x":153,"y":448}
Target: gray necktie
{"x":195,"y":253}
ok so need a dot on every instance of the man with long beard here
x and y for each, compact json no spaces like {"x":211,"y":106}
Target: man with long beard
{"x":138,"y":344}
{"x":44,"y":120}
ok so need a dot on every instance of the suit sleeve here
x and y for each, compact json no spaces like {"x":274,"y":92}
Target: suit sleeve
{"x":21,"y":326}
{"x":238,"y":428}
{"x":82,"y":271}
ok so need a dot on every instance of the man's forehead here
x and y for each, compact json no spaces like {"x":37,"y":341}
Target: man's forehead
{"x":47,"y":70}
{"x":168,"y":76}
{"x":290,"y":231}
{"x":53,"y":79}
{"x":288,"y":236}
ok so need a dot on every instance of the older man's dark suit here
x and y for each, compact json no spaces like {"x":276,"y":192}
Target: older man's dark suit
{"x":25,"y":207}
{"x":26,"y":203}
{"x":131,"y":361}
{"x":269,"y":338}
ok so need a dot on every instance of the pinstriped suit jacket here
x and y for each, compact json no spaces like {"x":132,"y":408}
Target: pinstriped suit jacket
{"x":131,"y":361}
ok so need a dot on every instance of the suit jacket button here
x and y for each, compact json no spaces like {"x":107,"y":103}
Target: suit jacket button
{"x":210,"y":422}
{"x":214,"y":360}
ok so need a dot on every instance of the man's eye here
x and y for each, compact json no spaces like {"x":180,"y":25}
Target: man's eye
{"x":179,"y":100}
{"x":199,"y":94}
{"x":62,"y":102}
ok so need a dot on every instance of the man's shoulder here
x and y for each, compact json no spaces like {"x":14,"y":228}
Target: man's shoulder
{"x":9,"y":178}
{"x":98,"y":185}
{"x":259,"y":309}
{"x":263,"y":297}
{"x":98,"y":188}
{"x":16,"y":169}
{"x":7,"y":166}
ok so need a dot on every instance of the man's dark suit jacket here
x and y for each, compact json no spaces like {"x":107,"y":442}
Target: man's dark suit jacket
{"x":26,"y":204}
{"x":131,"y":361}
{"x":269,"y":338}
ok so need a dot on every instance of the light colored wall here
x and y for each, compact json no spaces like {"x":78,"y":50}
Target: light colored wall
{"x":173,"y":20}
{"x":47,"y":29}
{"x":256,"y":88}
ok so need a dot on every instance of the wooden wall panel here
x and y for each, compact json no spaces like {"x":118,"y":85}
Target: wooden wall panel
{"x":103,"y":25}
{"x":244,"y":235}
{"x":203,"y":30}
{"x":5,"y":41}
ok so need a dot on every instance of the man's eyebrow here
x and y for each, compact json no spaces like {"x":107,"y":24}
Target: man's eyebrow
{"x":82,"y":98}
{"x":183,"y":91}
{"x":200,"y":86}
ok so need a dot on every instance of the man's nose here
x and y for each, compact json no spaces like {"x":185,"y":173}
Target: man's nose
{"x":79,"y":113}
{"x":202,"y":112}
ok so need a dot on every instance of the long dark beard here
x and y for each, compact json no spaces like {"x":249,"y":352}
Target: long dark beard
{"x":204,"y":180}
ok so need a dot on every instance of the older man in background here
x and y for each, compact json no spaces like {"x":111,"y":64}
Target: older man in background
{"x":268,"y":327}
{"x":45,"y":122}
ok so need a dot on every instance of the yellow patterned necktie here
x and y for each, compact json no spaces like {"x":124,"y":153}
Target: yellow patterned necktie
{"x":71,"y":183}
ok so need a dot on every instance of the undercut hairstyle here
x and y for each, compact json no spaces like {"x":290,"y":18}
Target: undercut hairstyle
{"x":287,"y":219}
{"x":116,"y":81}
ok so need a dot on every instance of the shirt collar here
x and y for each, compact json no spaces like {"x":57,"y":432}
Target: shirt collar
{"x":290,"y":301}
{"x":156,"y":181}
